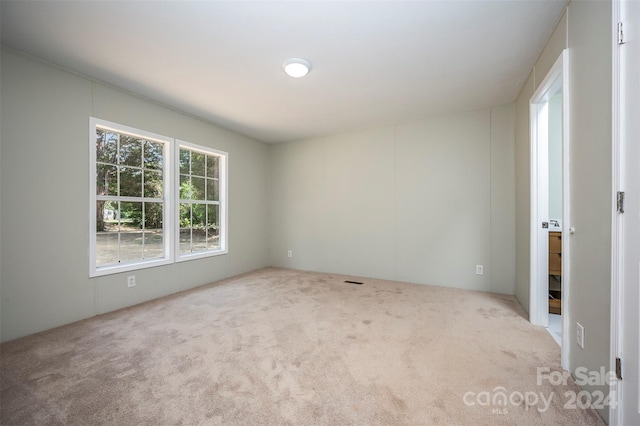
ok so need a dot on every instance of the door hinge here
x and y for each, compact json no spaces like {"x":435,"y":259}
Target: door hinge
{"x":620,"y":201}
{"x":618,"y":368}
{"x":620,"y":34}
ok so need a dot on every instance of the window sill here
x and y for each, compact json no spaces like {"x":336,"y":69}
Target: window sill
{"x":201,"y":255}
{"x":128,"y":267}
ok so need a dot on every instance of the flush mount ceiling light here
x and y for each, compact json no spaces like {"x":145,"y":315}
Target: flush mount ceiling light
{"x":296,"y":67}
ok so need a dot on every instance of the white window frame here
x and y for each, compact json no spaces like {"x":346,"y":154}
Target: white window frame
{"x":167,"y":211}
{"x":222,"y":188}
{"x":171,"y":197}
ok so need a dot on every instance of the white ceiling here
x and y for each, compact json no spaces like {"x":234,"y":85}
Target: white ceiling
{"x":374,"y":63}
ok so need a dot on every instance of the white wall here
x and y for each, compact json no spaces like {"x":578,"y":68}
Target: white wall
{"x":590,"y":65}
{"x":555,"y":157}
{"x":422,"y":202}
{"x":45,"y":198}
{"x":586,"y":30}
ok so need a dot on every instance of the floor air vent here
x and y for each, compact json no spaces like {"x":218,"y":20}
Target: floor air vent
{"x":353,"y":282}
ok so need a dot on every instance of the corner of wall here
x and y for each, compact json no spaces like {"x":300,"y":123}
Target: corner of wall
{"x":522,"y":185}
{"x":269,"y":185}
{"x":503,"y":239}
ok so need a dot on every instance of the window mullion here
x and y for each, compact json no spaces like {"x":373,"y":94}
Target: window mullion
{"x":119,"y":230}
{"x":143,"y":221}
{"x":206,"y":224}
{"x":191,"y":203}
{"x":129,"y":199}
{"x":119,"y":256}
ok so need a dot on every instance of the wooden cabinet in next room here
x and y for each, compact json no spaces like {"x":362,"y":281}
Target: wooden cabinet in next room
{"x":555,"y":253}
{"x":555,"y":272}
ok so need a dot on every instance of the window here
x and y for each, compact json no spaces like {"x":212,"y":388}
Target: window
{"x":132,"y":207}
{"x":201,"y":200}
{"x":129,"y":194}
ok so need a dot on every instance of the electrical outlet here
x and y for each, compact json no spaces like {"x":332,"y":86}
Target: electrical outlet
{"x":479,"y":270}
{"x":580,"y":334}
{"x":131,"y":281}
{"x":290,"y":253}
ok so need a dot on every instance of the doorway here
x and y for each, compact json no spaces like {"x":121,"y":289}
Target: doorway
{"x":549,"y":280}
{"x":554,"y":169}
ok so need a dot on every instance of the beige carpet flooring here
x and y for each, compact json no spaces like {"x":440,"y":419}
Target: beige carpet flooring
{"x":289,"y":347}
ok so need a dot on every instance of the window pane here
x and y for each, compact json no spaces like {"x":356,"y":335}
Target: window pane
{"x":213,"y":227}
{"x":185,"y":215}
{"x":212,"y":190}
{"x":197,"y":164}
{"x":106,"y":233}
{"x":130,"y":232}
{"x":199,"y":240}
{"x":108,"y":215}
{"x":185,"y":240}
{"x":106,"y":146}
{"x":106,"y":248}
{"x":198,"y":233}
{"x":212,"y":166}
{"x":185,"y":157}
{"x":152,"y":184}
{"x":130,"y":246}
{"x":106,"y":179}
{"x":152,"y":215}
{"x":186,"y":190}
{"x":213,"y":218}
{"x":153,"y":244}
{"x":153,"y":155}
{"x":130,"y":182}
{"x":153,"y":239}
{"x":130,"y":151}
{"x":130,"y":216}
{"x":198,"y":218}
{"x":198,"y":188}
{"x":185,"y":228}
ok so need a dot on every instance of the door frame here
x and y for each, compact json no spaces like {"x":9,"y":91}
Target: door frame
{"x":617,"y":228}
{"x":556,"y":78}
{"x":617,"y":270}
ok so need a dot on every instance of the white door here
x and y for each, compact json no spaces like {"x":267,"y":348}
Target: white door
{"x":629,"y":127}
